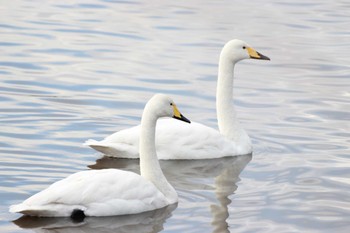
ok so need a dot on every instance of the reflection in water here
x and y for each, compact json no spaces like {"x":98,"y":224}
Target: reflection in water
{"x":184,"y":174}
{"x":225,"y":185}
{"x":72,"y":70}
{"x":151,"y":221}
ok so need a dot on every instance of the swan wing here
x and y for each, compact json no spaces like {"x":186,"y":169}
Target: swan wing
{"x":174,"y":140}
{"x":97,"y":193}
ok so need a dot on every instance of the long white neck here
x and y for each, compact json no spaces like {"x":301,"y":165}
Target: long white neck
{"x":149,"y":164}
{"x":227,"y":120}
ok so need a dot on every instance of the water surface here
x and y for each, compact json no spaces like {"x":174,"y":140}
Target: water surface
{"x":74,"y":70}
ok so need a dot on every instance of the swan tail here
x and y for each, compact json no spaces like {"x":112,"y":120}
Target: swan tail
{"x":18,"y":208}
{"x":119,"y":150}
{"x":27,"y":210}
{"x":91,"y":142}
{"x":49,"y":210}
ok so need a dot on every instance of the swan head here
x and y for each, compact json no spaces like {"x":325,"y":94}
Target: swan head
{"x":237,"y":50}
{"x":163,"y":106}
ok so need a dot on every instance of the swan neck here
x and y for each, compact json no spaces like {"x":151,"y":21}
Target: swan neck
{"x":226,"y":113}
{"x":149,"y":163}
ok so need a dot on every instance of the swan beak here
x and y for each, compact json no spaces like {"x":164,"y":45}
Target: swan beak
{"x":256,"y":55}
{"x":177,"y":115}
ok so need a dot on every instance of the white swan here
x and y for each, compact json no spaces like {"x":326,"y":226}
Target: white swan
{"x":194,"y":141}
{"x":111,"y":191}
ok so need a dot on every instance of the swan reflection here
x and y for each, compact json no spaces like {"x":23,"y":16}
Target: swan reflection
{"x":180,"y":173}
{"x":151,"y":221}
{"x":187,"y":174}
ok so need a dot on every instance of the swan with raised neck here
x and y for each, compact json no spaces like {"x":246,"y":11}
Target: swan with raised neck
{"x":108,"y":192}
{"x":149,"y":163}
{"x":195,"y":141}
{"x":229,"y":126}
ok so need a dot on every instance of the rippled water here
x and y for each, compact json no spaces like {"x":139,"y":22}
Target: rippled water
{"x":73,"y":70}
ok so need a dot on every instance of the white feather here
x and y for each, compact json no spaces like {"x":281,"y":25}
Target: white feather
{"x":97,"y":192}
{"x":111,"y":191}
{"x":194,"y":141}
{"x":174,"y":140}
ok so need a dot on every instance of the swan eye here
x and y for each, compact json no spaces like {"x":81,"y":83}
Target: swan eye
{"x":171,"y":104}
{"x":244,"y":47}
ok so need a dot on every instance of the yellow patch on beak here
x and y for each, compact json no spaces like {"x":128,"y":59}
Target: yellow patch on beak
{"x":176,"y":111}
{"x":255,"y":55}
{"x":252,"y":53}
{"x":178,"y":115}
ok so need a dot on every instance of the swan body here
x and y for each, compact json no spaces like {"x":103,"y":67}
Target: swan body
{"x":194,"y":141}
{"x":97,"y":193}
{"x":111,"y":191}
{"x":197,"y":142}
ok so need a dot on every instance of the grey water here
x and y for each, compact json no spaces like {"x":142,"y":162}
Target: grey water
{"x":74,"y":70}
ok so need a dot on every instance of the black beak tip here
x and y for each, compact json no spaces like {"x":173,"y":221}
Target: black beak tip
{"x":266,"y":58}
{"x":263,"y":57}
{"x":182,"y":118}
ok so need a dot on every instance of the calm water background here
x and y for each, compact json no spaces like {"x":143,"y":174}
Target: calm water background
{"x":74,"y":70}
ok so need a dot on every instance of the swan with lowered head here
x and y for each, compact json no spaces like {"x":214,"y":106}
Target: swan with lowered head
{"x":111,"y":191}
{"x":194,"y":141}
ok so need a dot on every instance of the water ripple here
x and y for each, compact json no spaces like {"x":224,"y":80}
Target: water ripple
{"x":22,"y":65}
{"x":73,"y":71}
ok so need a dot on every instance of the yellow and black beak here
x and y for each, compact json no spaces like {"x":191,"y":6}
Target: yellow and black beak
{"x":177,"y":115}
{"x":256,"y":55}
